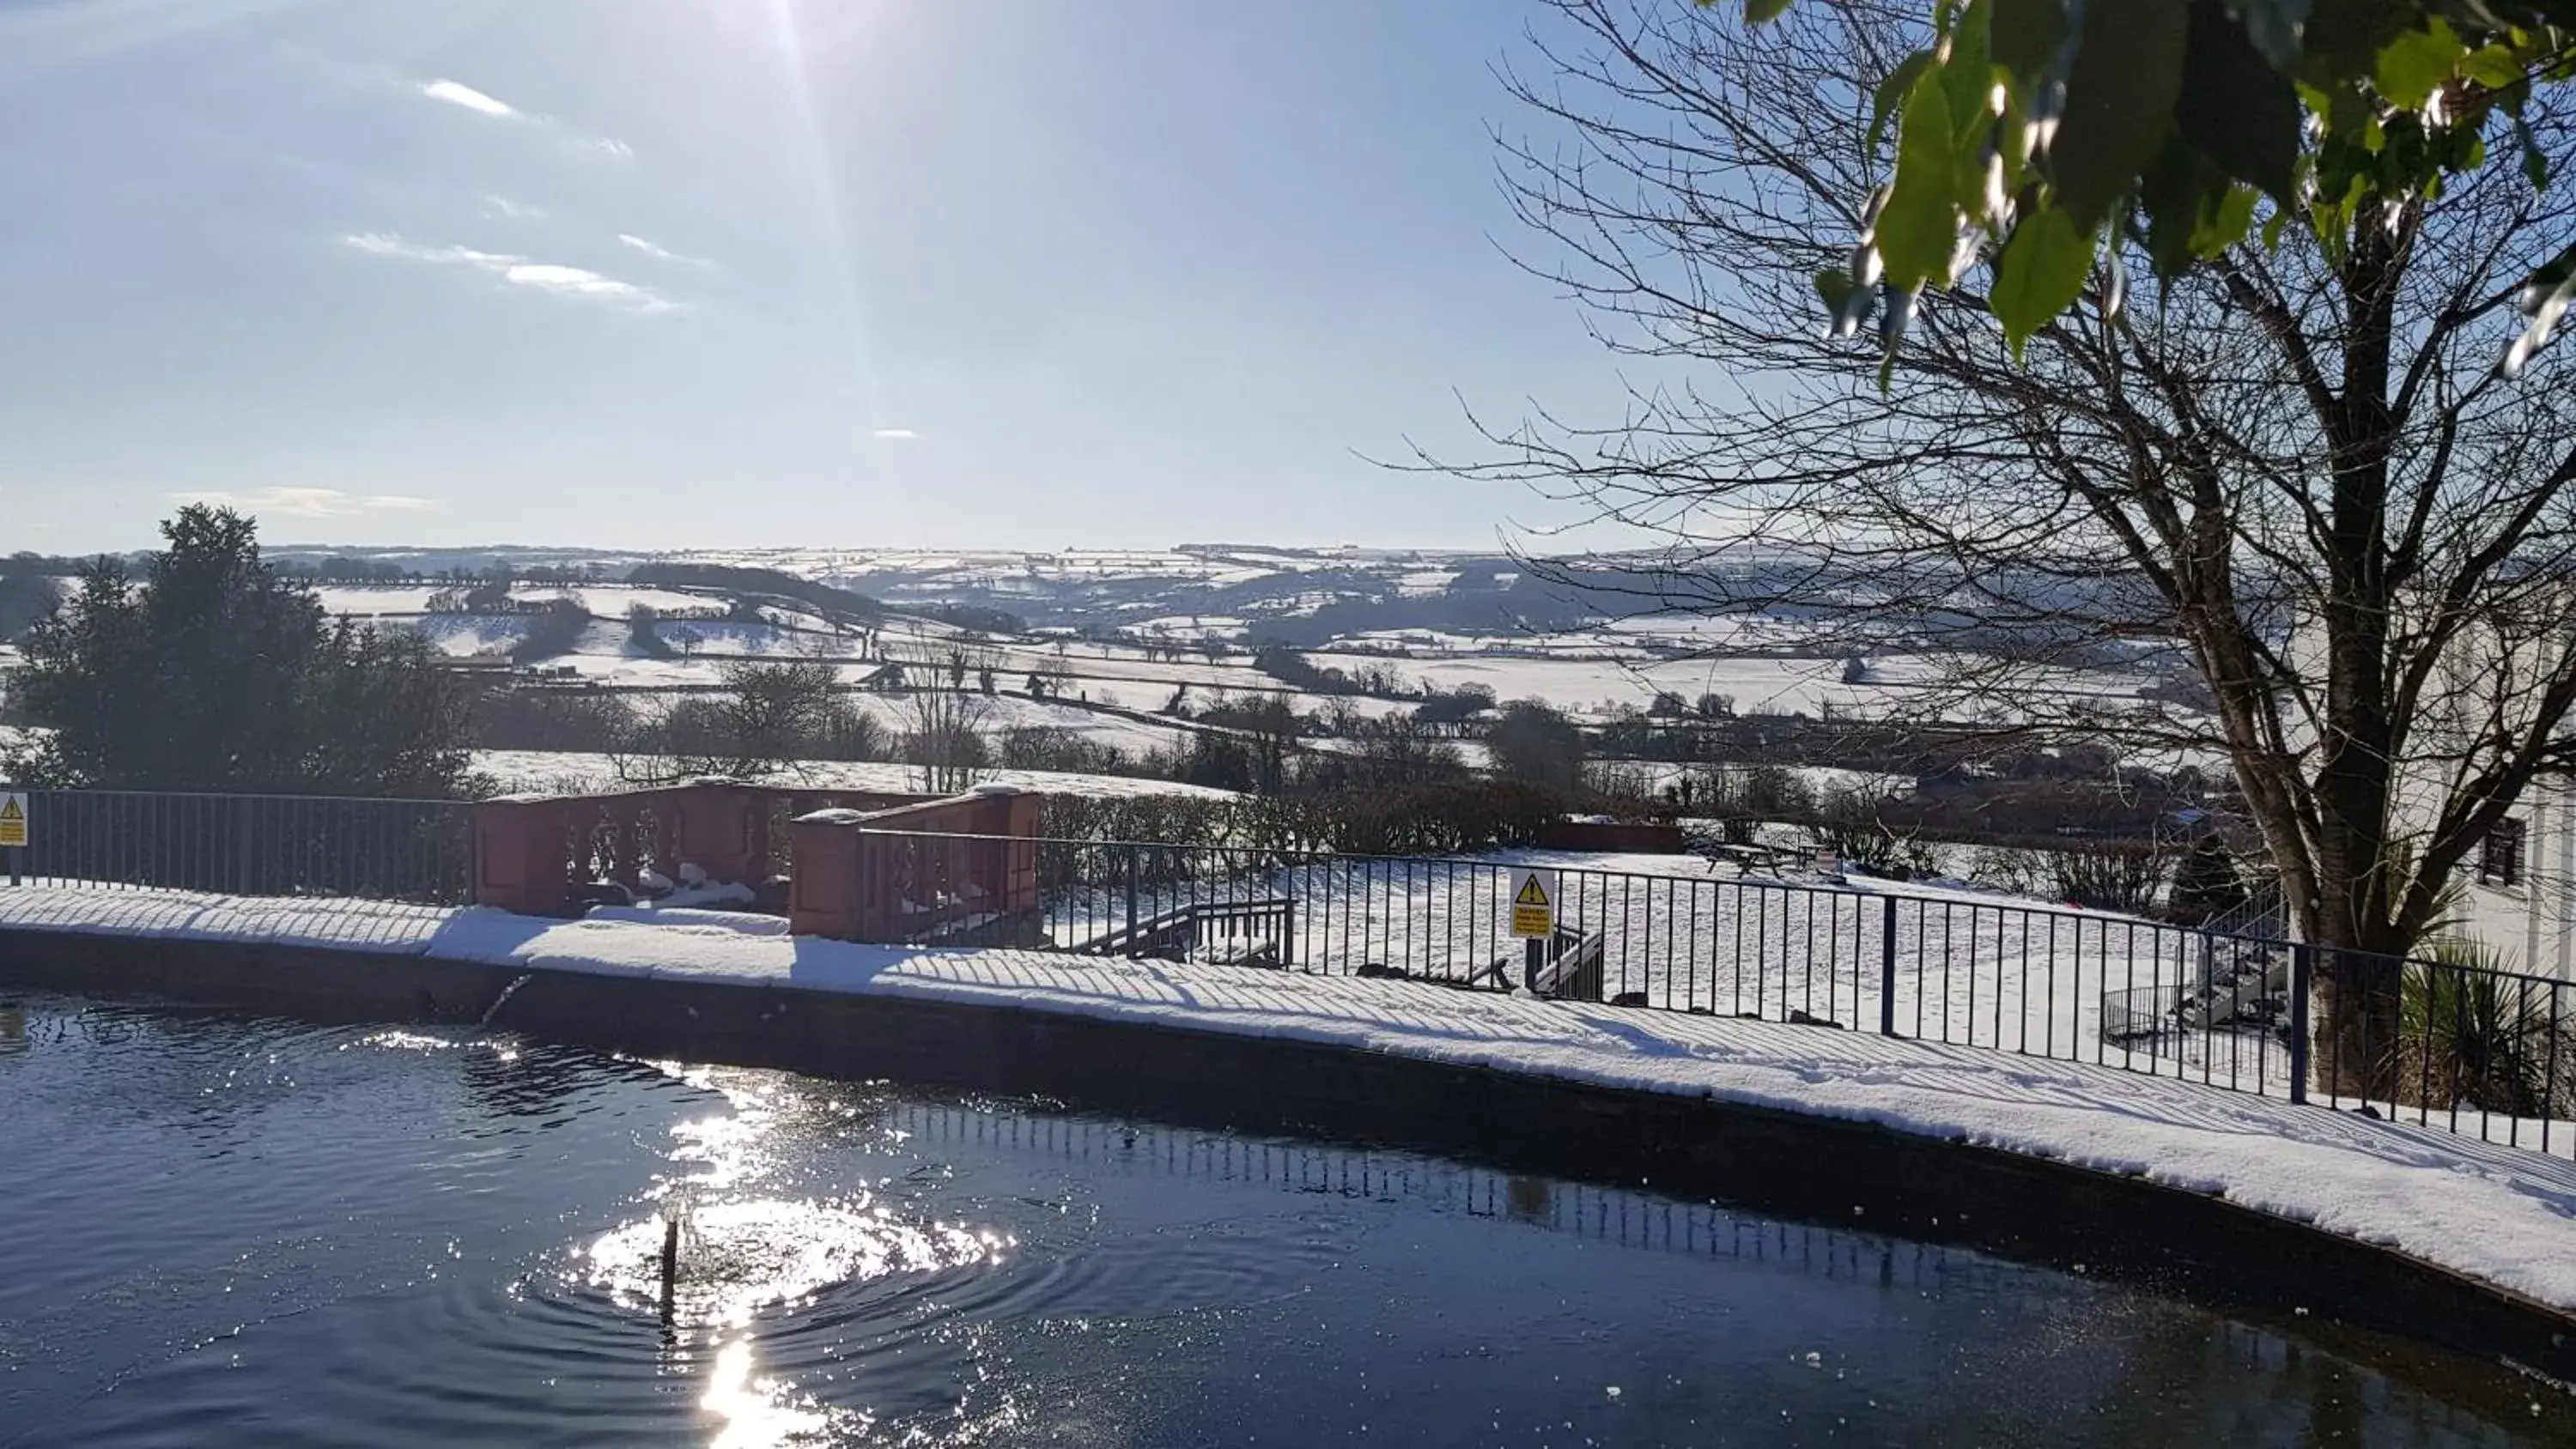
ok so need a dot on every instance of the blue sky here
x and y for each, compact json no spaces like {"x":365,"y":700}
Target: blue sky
{"x":663,"y":273}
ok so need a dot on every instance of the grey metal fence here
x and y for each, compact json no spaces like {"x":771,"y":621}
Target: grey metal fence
{"x":261,"y":845}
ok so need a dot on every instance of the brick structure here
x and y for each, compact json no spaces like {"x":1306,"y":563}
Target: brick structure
{"x":962,"y":870}
{"x":521,"y":860}
{"x":1605,"y":836}
{"x":533,"y":855}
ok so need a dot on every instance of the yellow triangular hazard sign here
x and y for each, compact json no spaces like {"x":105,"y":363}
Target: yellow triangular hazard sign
{"x":1532,"y":893}
{"x":10,"y":814}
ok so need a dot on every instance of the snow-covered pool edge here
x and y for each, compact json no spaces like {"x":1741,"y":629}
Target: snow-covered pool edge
{"x":2500,"y":1215}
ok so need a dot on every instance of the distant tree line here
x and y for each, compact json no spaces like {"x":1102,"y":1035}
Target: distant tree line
{"x":1292,"y":668}
{"x":822,"y":598}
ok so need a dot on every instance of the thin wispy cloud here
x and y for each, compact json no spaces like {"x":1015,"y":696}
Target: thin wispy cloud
{"x":508,"y":210}
{"x":895,"y":435}
{"x":465,"y":97}
{"x":658,"y":252}
{"x":517,"y":271}
{"x":483,"y":103}
{"x":308,"y":502}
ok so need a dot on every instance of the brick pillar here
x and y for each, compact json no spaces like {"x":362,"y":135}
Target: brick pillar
{"x":715,"y":830}
{"x":520,"y":860}
{"x":824,"y":891}
{"x":1020,"y":864}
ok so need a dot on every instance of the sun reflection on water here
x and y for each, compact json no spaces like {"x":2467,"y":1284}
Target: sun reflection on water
{"x":739,"y":1258}
{"x":766,"y":1413}
{"x":750,"y":1251}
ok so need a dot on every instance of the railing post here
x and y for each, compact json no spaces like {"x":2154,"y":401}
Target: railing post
{"x":1132,"y":852}
{"x":2302,"y":977}
{"x":243,"y":807}
{"x":1887,"y":966}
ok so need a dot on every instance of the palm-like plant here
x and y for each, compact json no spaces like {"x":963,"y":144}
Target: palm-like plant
{"x":2474,"y":1035}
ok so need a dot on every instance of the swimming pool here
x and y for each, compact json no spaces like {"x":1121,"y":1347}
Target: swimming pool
{"x":223,"y":1229}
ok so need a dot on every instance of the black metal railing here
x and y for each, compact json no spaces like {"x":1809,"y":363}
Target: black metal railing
{"x":2492,"y":1051}
{"x":254,"y":845}
{"x":2453,"y":1043}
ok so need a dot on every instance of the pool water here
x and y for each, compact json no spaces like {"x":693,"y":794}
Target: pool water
{"x":222,"y":1230}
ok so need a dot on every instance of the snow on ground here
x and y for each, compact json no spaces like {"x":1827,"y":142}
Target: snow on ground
{"x":2492,"y":1212}
{"x":466,"y":635}
{"x":1971,"y":967}
{"x":371,"y":600}
{"x":1595,"y":675}
{"x":1190,"y":627}
{"x":565,"y":772}
{"x":1006,"y":712}
{"x":613,"y":600}
{"x":1780,"y":686}
{"x":607,"y":600}
{"x":721,"y":637}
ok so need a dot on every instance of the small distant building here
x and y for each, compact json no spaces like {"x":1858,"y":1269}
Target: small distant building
{"x":883,"y":679}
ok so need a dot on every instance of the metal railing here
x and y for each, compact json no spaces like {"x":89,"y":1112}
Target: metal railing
{"x":2445,"y":1043}
{"x":252,"y":845}
{"x":2441,"y":1043}
{"x":2492,"y":1052}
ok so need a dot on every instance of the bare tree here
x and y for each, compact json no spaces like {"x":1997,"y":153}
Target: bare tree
{"x":768,"y":716}
{"x":944,"y":738}
{"x":2297,"y":469}
{"x":773,"y":713}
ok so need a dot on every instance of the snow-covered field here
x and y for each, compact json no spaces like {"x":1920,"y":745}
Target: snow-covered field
{"x":1592,"y":668}
{"x":368,"y":601}
{"x":1592,"y":675}
{"x":2493,"y":1212}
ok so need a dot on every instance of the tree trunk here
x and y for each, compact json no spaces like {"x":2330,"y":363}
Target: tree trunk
{"x":2358,"y":985}
{"x":2355,"y":1051}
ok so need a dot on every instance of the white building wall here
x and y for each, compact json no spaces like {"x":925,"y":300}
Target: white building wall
{"x":2534,"y":920}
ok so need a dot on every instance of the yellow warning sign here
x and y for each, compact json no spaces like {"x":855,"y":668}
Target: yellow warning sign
{"x":13,"y":820}
{"x":1533,"y":902}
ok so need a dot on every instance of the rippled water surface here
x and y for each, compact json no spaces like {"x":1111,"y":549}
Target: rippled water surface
{"x":225,"y":1231}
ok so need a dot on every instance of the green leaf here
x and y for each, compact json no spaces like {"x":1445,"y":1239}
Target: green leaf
{"x":2026,"y":34}
{"x":2344,"y":111}
{"x":1968,"y":75}
{"x":2039,"y":274}
{"x":2177,"y":190}
{"x":2120,"y":99}
{"x":2494,"y":67}
{"x":2236,"y":109}
{"x":1919,"y":226}
{"x":2535,"y":162}
{"x":1892,"y":92}
{"x":2415,"y":64}
{"x":2223,"y":221}
{"x":2343,"y":38}
{"x":1835,"y":286}
{"x":1762,"y":12}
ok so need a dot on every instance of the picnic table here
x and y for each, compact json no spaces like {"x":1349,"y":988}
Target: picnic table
{"x":1748,"y":858}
